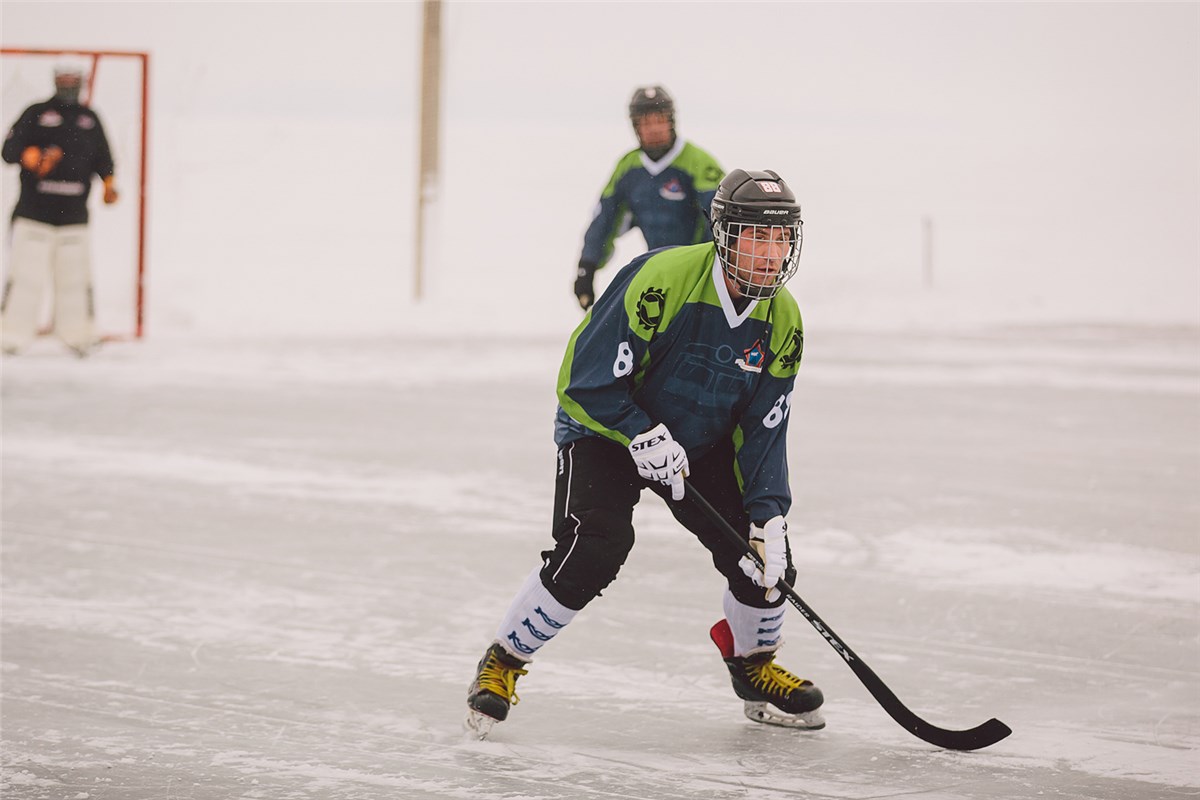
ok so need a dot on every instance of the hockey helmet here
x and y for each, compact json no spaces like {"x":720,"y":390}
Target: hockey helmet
{"x":762,"y":201}
{"x":68,"y":80}
{"x":651,"y":100}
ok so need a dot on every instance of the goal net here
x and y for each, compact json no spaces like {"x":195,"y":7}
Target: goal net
{"x":115,"y":86}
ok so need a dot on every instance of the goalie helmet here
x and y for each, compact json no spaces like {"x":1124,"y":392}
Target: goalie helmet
{"x":68,"y":81}
{"x":757,"y":231}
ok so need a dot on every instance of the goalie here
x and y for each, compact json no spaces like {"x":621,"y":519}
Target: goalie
{"x":60,"y":145}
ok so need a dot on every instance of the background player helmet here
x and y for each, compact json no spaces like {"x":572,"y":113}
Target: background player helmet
{"x":652,"y":100}
{"x":755,"y":198}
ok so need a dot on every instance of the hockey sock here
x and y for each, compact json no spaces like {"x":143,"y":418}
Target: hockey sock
{"x":533,"y":619}
{"x":755,"y":630}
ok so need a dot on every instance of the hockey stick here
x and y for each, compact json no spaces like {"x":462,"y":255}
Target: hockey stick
{"x":975,"y":738}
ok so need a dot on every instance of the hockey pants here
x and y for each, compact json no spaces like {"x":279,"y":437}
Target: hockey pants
{"x":596,"y":489}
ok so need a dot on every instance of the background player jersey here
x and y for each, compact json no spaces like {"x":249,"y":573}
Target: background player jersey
{"x":665,"y":344}
{"x":666,"y":199}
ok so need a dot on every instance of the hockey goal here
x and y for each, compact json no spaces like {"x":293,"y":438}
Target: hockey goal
{"x":116,"y":85}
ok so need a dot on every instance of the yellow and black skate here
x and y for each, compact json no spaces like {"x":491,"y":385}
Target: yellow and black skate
{"x":772,"y":695}
{"x":493,"y":691}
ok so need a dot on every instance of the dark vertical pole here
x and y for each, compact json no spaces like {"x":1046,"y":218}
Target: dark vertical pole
{"x":427,"y":178}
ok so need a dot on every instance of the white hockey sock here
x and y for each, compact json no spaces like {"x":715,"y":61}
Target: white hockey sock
{"x":533,"y":619}
{"x":755,"y":630}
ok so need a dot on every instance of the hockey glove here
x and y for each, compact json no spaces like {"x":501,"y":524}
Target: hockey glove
{"x":770,"y":541}
{"x":110,"y":192}
{"x":660,"y":458}
{"x":584,"y":290}
{"x":39,"y":161}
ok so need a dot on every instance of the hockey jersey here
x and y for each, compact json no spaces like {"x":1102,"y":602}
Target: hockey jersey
{"x":59,"y":198}
{"x":667,"y":199}
{"x":666,"y":344}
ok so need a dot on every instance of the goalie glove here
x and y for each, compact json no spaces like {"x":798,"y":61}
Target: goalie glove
{"x":660,"y":458}
{"x":110,"y":191}
{"x":770,"y":542}
{"x":39,"y":161}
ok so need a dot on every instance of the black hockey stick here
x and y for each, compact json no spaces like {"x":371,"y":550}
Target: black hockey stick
{"x":975,"y":738}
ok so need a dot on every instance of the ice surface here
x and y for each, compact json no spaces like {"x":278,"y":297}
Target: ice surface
{"x":264,"y":569}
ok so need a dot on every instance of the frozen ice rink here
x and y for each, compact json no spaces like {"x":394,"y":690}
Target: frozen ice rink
{"x":267,"y":570}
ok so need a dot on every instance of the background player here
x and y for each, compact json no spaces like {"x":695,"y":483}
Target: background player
{"x":663,"y":188}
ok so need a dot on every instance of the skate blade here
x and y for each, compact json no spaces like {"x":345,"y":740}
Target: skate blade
{"x":477,"y":725}
{"x":768,"y":715}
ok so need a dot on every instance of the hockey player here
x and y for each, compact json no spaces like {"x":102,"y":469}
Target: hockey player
{"x":59,"y":144}
{"x":684,"y":367}
{"x":664,"y":188}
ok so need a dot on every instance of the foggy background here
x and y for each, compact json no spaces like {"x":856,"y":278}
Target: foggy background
{"x":1054,"y":146}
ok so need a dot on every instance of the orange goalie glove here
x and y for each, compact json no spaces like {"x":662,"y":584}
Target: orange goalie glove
{"x":110,"y":192}
{"x":40,"y":161}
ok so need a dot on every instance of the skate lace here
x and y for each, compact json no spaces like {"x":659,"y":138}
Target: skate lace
{"x":498,"y":678}
{"x":772,"y":678}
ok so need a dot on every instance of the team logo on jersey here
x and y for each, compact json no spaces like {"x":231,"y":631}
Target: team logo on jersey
{"x":672,"y":190}
{"x":753,"y":359}
{"x":85,"y":122}
{"x":651,"y":306}
{"x":50,"y":119}
{"x":793,"y":350}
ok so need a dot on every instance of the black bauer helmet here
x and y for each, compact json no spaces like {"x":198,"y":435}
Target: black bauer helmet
{"x":760,"y":201}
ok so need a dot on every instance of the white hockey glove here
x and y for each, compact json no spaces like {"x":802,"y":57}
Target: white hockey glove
{"x":660,"y":458}
{"x":771,"y":543}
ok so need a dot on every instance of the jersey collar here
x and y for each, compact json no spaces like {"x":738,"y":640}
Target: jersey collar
{"x":731,"y":315}
{"x":655,"y":167}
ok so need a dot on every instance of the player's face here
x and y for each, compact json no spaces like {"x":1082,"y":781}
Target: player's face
{"x":653,"y":130}
{"x":759,"y":253}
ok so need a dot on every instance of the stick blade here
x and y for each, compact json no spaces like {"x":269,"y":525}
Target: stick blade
{"x":975,"y":738}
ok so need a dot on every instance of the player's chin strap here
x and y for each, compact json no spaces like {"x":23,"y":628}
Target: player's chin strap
{"x":975,"y":738}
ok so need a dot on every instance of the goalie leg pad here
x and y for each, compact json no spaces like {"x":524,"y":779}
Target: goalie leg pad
{"x":74,"y":312}
{"x":30,"y":255}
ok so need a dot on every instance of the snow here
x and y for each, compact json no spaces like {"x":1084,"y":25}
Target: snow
{"x":258,"y":554}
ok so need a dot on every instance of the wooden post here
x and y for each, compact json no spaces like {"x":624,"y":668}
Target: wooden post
{"x":427,"y":175}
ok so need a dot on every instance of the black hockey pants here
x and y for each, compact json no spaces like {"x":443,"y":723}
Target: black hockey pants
{"x":595,"y":491}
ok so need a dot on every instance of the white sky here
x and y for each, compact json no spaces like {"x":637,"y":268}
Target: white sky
{"x":1055,"y":146}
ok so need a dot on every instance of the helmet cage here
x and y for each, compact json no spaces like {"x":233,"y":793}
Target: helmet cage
{"x":750,"y":247}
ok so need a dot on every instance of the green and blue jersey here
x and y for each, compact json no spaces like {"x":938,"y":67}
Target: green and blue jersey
{"x":665,"y":343}
{"x":667,"y":200}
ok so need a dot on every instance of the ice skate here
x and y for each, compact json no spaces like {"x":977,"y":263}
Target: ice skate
{"x":772,"y":695}
{"x":493,"y":691}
